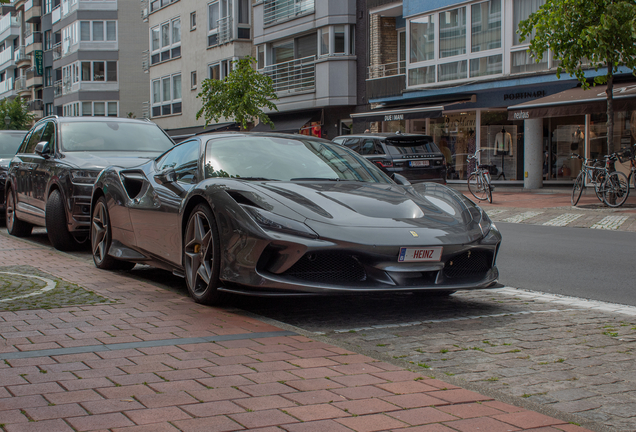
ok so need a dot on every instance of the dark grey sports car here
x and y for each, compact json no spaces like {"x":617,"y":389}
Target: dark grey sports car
{"x":273,"y":214}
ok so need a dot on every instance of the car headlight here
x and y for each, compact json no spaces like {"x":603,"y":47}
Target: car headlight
{"x":493,"y":236}
{"x":485,"y":223}
{"x":274,"y":222}
{"x":84,"y":176}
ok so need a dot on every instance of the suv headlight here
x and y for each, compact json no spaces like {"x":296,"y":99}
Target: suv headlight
{"x":274,"y":222}
{"x":84,"y":176}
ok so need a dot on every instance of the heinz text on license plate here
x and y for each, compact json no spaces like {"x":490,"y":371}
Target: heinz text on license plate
{"x":415,"y":254}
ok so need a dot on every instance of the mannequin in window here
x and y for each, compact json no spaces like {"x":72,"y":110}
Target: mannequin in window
{"x":503,"y":143}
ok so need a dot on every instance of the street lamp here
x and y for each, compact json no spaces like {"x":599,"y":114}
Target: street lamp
{"x":7,"y":121}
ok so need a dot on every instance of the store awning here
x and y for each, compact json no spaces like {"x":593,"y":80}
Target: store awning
{"x":411,"y":113}
{"x":288,"y":122}
{"x":183,"y":133}
{"x":576,"y":101}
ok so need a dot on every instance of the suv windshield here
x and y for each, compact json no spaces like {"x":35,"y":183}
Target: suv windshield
{"x":274,"y":158}
{"x":397,"y":149}
{"x":9,"y":143}
{"x":113,"y":136}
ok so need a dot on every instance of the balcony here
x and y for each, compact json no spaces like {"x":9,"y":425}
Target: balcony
{"x":21,"y":87}
{"x":225,"y":30}
{"x":145,"y":61}
{"x":296,"y":76}
{"x":70,"y":6}
{"x":9,"y":27}
{"x":386,"y":80}
{"x":33,"y":42}
{"x":67,"y":86}
{"x":276,"y":11}
{"x":20,"y":56}
{"x":6,"y":59}
{"x":57,"y":51}
{"x":7,"y":88}
{"x":33,"y":11}
{"x":56,"y":15}
{"x":33,"y":79}
{"x":144,"y":10}
{"x":57,"y":88}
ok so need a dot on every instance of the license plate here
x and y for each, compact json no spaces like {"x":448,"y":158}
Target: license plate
{"x":419,"y":163}
{"x":420,"y":254}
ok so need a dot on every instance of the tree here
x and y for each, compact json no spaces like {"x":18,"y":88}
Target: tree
{"x":598,"y":34}
{"x":239,"y":96}
{"x":18,"y":111}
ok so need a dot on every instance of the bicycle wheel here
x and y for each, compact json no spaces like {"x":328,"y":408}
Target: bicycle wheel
{"x":616,"y":189}
{"x":476,"y":187}
{"x":577,"y":190}
{"x":489,"y":190}
{"x":598,"y":186}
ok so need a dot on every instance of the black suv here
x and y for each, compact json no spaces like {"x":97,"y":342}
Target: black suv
{"x":51,"y":177}
{"x":416,"y":157}
{"x":10,"y":140}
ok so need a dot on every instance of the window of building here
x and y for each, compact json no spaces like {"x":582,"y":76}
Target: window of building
{"x":193,"y":80}
{"x":166,"y":95}
{"x":155,"y":5}
{"x":48,"y":40}
{"x":193,"y":21}
{"x":336,"y":40}
{"x":100,"y":109}
{"x":99,"y":71}
{"x":219,"y":29}
{"x":48,"y":76}
{"x":521,"y":10}
{"x":48,"y":6}
{"x":98,"y":31}
{"x":48,"y":109}
{"x":165,"y":41}
{"x":452,"y":32}
{"x":219,"y":70}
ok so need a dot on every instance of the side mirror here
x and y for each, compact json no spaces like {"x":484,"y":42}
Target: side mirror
{"x":400,"y":179}
{"x":43,"y":149}
{"x":168,"y":178}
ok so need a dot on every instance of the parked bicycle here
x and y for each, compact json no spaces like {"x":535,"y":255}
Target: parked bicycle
{"x":615,"y":187}
{"x":479,"y":180}
{"x":630,"y":154}
{"x":592,"y":173}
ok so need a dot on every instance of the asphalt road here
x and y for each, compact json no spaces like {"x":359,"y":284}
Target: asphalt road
{"x":586,"y":263}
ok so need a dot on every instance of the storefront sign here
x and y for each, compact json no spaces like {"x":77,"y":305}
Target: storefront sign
{"x":394,"y":117}
{"x":524,"y":95}
{"x":520,"y":115}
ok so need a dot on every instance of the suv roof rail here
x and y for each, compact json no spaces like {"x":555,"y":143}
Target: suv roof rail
{"x":49,"y":116}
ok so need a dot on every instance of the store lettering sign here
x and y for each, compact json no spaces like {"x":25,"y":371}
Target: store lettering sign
{"x":524,"y":95}
{"x":393,"y":117}
{"x":520,"y":115}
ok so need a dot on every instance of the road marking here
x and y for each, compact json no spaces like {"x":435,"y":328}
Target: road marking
{"x":610,"y":222}
{"x":522,"y":216}
{"x":50,"y":284}
{"x":492,"y":213}
{"x":563,"y":220}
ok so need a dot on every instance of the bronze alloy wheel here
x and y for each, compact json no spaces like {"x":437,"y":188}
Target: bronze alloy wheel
{"x":201,"y":243}
{"x":101,"y":239}
{"x":14,"y":225}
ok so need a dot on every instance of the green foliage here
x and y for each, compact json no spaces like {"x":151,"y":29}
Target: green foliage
{"x":18,"y":111}
{"x":241,"y":95}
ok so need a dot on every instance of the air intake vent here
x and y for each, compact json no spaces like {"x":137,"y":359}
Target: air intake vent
{"x":468,"y":266}
{"x":328,"y":267}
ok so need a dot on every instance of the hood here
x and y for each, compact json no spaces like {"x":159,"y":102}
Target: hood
{"x":4,"y":162}
{"x":358,"y":204}
{"x":101,"y":160}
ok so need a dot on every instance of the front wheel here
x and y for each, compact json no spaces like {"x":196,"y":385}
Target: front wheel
{"x":577,"y":190}
{"x":201,"y":250}
{"x":56,"y":226}
{"x":616,"y":189}
{"x":478,"y":187}
{"x":101,"y":238}
{"x":15,"y":226}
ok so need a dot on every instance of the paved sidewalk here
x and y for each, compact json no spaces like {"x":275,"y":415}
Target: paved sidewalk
{"x":552,"y":206}
{"x":152,"y":360}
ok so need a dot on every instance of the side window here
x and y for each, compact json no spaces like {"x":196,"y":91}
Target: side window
{"x":353,"y":144}
{"x":368,"y":147}
{"x":184,"y":158}
{"x":34,"y":139}
{"x":49,"y":135}
{"x":338,"y":140}
{"x":24,"y":144}
{"x":378,"y":148}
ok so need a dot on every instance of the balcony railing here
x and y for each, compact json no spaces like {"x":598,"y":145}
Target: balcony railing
{"x":6,"y":85}
{"x":145,"y":60}
{"x":293,"y":76}
{"x":57,"y":51}
{"x":30,"y":3}
{"x":6,"y":55}
{"x":21,"y":55}
{"x":35,"y":105}
{"x":57,"y":88}
{"x":68,"y":6}
{"x":386,"y":70}
{"x":144,"y":10}
{"x":8,"y":21}
{"x":225,"y":30}
{"x":56,"y":15}
{"x":20,"y":84}
{"x":282,"y":10}
{"x":145,"y":110}
{"x":32,"y":73}
{"x":33,"y":38}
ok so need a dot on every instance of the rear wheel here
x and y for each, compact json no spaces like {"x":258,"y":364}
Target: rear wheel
{"x":598,"y":186}
{"x":201,"y":248}
{"x":101,"y":237}
{"x":489,"y":189}
{"x":477,"y":186}
{"x":577,"y":190}
{"x":56,"y":226}
{"x":15,"y":226}
{"x":616,"y":189}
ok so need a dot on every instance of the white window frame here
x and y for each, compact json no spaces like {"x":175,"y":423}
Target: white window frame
{"x":107,"y":104}
{"x":92,"y":70}
{"x":193,"y":20}
{"x":348,"y":33}
{"x":193,"y":80}
{"x":162,"y":103}
{"x":156,"y":5}
{"x":170,"y":47}
{"x":91,"y":24}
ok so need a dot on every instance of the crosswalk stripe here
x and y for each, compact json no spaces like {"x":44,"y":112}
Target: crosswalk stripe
{"x":522,"y":216}
{"x":492,"y":213}
{"x":563,"y":219}
{"x":610,"y":222}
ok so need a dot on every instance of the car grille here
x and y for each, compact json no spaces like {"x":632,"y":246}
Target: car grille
{"x":327,"y":267}
{"x":468,"y":266}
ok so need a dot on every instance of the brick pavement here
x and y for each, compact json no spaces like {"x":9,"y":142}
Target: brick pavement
{"x":152,"y":360}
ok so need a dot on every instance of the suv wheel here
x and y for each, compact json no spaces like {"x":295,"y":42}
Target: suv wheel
{"x":56,"y":226}
{"x":15,"y":226}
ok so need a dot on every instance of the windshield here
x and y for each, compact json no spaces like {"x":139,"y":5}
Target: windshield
{"x":397,"y":150}
{"x":113,"y":136}
{"x":9,"y":143}
{"x":275,"y":158}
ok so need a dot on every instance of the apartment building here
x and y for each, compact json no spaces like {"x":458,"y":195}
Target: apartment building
{"x":10,"y":30}
{"x":189,"y":41}
{"x":459,"y":71}
{"x":308,"y":48}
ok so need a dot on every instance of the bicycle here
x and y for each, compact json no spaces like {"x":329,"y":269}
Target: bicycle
{"x":615,"y":186}
{"x":590,"y":173}
{"x":631,"y":156}
{"x":479,"y":180}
